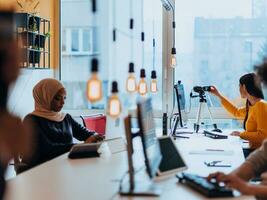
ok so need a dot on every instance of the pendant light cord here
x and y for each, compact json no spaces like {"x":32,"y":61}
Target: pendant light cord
{"x":173,"y":25}
{"x":114,"y":38}
{"x":142,"y":34}
{"x":94,"y":17}
{"x":131,"y":30}
{"x":154,"y":40}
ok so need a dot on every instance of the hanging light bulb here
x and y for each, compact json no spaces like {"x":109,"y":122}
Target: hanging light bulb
{"x":142,"y":87}
{"x":94,"y":85}
{"x":114,"y":104}
{"x":173,"y":58}
{"x":153,"y":84}
{"x":131,"y":82}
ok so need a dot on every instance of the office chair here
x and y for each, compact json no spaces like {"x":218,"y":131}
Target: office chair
{"x":96,"y":122}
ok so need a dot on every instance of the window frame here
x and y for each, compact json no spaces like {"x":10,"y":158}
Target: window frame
{"x":168,"y":73}
{"x":80,"y":51}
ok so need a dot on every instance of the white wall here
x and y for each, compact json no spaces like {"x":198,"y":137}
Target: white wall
{"x":20,"y":98}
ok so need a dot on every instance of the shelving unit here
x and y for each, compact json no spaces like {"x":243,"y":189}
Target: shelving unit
{"x":33,"y":34}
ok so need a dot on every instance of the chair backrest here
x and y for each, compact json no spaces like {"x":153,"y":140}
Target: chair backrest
{"x":95,"y":123}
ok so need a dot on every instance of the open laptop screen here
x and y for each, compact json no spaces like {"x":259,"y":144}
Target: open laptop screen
{"x":150,"y":142}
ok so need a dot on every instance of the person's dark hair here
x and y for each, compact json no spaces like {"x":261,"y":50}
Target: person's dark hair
{"x":253,"y":87}
{"x":262,"y":71}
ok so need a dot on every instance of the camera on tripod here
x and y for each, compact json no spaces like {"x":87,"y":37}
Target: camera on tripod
{"x":202,"y":90}
{"x":202,"y":103}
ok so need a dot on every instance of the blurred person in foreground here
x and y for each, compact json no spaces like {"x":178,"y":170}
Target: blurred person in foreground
{"x":254,"y":166}
{"x":14,"y":136}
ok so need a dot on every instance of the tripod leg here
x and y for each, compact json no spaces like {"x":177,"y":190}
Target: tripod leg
{"x":211,"y":119}
{"x":197,"y":124}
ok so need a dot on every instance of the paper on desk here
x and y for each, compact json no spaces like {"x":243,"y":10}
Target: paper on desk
{"x":116,"y":145}
{"x":212,"y":152}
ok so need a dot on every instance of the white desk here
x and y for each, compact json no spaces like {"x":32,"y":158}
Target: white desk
{"x":97,"y":178}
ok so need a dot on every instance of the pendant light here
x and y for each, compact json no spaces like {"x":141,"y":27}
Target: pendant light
{"x":173,"y":58}
{"x":168,"y":6}
{"x":153,"y":84}
{"x":114,"y":104}
{"x":131,"y":81}
{"x":142,"y":86}
{"x":94,"y":84}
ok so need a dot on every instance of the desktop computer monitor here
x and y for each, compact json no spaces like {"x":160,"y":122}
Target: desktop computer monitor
{"x":181,"y":95}
{"x":150,"y":142}
{"x":180,"y":100}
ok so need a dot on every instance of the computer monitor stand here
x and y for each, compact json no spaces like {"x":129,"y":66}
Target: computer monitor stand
{"x":178,"y":104}
{"x":134,"y":188}
{"x":140,"y":189}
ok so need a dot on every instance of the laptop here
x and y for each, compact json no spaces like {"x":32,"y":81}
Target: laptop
{"x":161,"y":155}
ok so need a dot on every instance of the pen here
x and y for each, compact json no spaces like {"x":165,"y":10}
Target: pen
{"x":214,"y":150}
{"x":179,"y":136}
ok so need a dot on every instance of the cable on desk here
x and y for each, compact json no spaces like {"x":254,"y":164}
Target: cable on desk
{"x":125,"y":173}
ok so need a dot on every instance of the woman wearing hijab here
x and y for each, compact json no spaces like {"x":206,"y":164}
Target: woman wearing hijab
{"x":53,"y":130}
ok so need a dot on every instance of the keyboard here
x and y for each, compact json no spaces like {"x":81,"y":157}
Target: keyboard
{"x":203,"y":186}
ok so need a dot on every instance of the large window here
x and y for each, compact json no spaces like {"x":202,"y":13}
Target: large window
{"x":217,"y":42}
{"x":78,"y":41}
{"x":85,"y":37}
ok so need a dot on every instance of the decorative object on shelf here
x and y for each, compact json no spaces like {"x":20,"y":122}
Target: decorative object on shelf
{"x":94,"y":85}
{"x":168,"y":6}
{"x":33,"y":33}
{"x":40,"y":39}
{"x":29,"y":6}
{"x":142,"y":86}
{"x":34,"y":55}
{"x":114,"y":104}
{"x":131,"y":81}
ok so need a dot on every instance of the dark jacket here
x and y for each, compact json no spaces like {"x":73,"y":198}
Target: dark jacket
{"x":52,"y":139}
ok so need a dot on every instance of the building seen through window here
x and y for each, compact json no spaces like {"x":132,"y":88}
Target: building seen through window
{"x":85,"y":36}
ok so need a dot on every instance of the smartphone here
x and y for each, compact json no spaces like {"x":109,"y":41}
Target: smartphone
{"x":220,"y":163}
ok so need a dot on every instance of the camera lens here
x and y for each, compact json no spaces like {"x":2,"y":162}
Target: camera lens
{"x":207,"y":88}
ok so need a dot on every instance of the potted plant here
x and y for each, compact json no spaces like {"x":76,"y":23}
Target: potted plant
{"x":40,"y":39}
{"x":34,"y":23}
{"x":31,"y":38}
{"x":22,"y":18}
{"x":34,"y":55}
